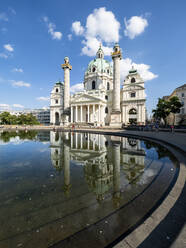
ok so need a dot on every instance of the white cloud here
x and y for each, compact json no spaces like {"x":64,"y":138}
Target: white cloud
{"x":4,"y":106}
{"x":143,"y":69}
{"x":91,"y":46}
{"x":3,"y":55}
{"x":135,"y":26}
{"x":103,"y":24}
{"x":20,"y":84}
{"x":17,"y":70}
{"x":77,"y":28}
{"x":17,"y":106}
{"x":3,"y":17}
{"x":101,"y":27}
{"x":43,"y":98}
{"x":56,"y":35}
{"x":76,"y":88}
{"x":9,"y":47}
{"x":70,"y":36}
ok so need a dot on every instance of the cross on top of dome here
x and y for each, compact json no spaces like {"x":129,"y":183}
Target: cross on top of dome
{"x":100,"y":53}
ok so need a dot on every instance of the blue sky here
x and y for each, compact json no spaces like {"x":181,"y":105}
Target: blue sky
{"x":35,"y":36}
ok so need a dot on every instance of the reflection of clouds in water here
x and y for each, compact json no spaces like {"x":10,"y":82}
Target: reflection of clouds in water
{"x":45,"y":142}
{"x":146,"y":176}
{"x":13,"y":141}
{"x":21,"y":164}
{"x":44,"y":150}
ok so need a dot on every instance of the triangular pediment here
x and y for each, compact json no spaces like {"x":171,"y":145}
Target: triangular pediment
{"x":85,"y":98}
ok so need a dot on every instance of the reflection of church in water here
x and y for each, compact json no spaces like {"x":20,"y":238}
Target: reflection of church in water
{"x":103,"y":158}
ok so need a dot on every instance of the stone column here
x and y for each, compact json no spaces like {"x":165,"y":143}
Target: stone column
{"x":81,"y":113}
{"x":88,"y":114}
{"x":66,"y":170}
{"x":99,"y":114}
{"x":76,"y":113}
{"x":93,"y":112}
{"x":71,"y":140}
{"x":116,"y":174}
{"x":76,"y":139}
{"x":66,"y":67}
{"x":116,"y":56}
{"x":72,"y":114}
{"x":116,"y":111}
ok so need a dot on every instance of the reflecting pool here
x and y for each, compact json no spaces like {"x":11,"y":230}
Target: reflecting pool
{"x":61,"y":189}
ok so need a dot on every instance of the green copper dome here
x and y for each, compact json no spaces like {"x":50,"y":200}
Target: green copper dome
{"x":99,"y":64}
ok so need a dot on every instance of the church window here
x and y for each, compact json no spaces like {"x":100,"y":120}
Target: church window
{"x":133,"y":94}
{"x":133,"y":80}
{"x":106,"y":110}
{"x":107,"y":71}
{"x":108,"y":86}
{"x":56,"y":152}
{"x":93,"y":85}
{"x":56,"y":101}
{"x":106,"y":97}
{"x":94,"y":69}
{"x":57,"y":90}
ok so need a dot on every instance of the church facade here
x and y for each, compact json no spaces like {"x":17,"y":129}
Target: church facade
{"x":103,"y":101}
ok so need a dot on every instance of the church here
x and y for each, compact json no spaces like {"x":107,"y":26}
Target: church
{"x":103,"y":102}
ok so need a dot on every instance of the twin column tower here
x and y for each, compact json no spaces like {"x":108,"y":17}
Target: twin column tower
{"x":115,"y":116}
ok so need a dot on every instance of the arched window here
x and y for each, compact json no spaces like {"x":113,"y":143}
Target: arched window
{"x":57,"y":90}
{"x":132,"y":111}
{"x":106,"y":97}
{"x":94,"y":69}
{"x":56,"y":101}
{"x":133,"y":80}
{"x":108,"y":86}
{"x":93,"y":85}
{"x":56,"y":151}
{"x":106,"y":110}
{"x":107,"y":71}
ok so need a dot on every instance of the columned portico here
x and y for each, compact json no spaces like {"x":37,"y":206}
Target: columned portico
{"x":90,"y":113}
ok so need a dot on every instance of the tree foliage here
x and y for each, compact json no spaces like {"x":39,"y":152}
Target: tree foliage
{"x":7,"y":119}
{"x":165,"y":107}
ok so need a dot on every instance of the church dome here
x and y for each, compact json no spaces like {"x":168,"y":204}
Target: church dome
{"x":99,"y":64}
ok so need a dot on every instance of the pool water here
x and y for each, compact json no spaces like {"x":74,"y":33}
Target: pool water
{"x":65,"y":189}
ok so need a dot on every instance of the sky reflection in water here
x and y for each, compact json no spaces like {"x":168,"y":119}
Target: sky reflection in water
{"x":54,"y":185}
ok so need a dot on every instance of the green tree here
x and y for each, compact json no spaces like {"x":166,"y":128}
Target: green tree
{"x":165,"y":107}
{"x":162,"y":110}
{"x":174,"y":106}
{"x":5,"y":118}
{"x":28,"y":119}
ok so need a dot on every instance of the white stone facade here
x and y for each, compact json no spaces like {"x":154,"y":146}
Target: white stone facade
{"x":133,"y":99}
{"x":102,"y":102}
{"x":57,"y":103}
